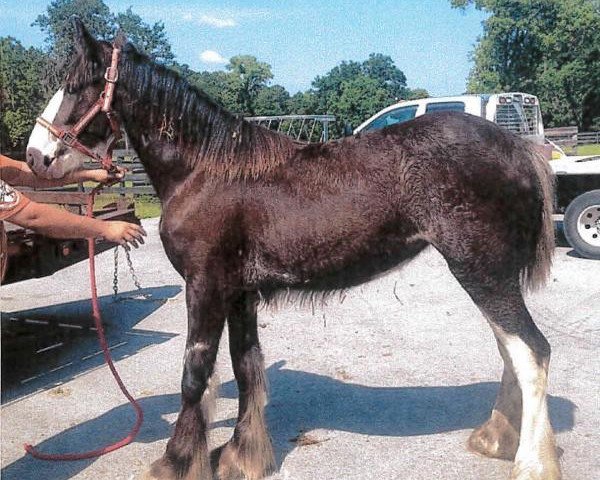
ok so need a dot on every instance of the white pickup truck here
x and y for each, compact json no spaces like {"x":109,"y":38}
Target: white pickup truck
{"x":577,"y":199}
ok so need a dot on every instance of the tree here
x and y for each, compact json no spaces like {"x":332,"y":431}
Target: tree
{"x":57,"y":25}
{"x":304,"y":103}
{"x":216,"y":85}
{"x":102,"y":24}
{"x":22,"y":97}
{"x":382,"y":69}
{"x":148,"y":39}
{"x":352,"y":91}
{"x":247,"y":76}
{"x":329,"y":87}
{"x":417,"y":93}
{"x":272,"y":100}
{"x":360,"y":97}
{"x":549,"y":48}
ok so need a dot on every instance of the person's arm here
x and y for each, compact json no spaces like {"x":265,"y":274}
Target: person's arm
{"x":18,"y":173}
{"x":58,"y":223}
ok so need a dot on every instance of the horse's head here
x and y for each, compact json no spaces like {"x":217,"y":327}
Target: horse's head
{"x":49,"y":156}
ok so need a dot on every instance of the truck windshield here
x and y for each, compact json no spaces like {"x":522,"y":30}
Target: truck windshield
{"x":399,"y":115}
{"x":445,"y":107}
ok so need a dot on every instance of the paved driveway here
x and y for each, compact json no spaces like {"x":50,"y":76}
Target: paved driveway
{"x":385,"y":382}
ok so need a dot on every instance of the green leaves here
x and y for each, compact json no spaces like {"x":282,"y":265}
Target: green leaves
{"x":247,"y":77}
{"x":103,"y":25}
{"x":353,"y":91}
{"x":22,"y":96}
{"x":148,"y":39}
{"x":550,"y":48}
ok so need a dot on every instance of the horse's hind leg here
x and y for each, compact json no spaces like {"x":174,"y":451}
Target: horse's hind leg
{"x":186,"y":456}
{"x":499,"y":436}
{"x":249,"y":453}
{"x":526,"y":354}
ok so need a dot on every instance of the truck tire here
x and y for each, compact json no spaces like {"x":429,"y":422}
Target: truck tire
{"x":582,"y":224}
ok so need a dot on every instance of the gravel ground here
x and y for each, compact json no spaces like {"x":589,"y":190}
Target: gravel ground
{"x":384,"y":382}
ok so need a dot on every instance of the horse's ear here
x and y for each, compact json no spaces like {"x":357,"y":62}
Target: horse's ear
{"x":120,"y":40}
{"x":84,"y":42}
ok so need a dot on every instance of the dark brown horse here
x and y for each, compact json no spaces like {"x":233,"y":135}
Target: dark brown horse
{"x":248,"y":213}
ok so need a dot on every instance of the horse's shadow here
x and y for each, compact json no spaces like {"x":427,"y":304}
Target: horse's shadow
{"x":299,"y":402}
{"x":30,"y":361}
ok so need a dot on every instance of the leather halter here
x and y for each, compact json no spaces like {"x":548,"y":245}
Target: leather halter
{"x":104,"y":104}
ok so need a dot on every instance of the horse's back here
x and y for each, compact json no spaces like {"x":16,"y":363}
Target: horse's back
{"x":359,"y":206}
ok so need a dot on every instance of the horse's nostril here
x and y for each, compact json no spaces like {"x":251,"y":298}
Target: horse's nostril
{"x":47,"y":161}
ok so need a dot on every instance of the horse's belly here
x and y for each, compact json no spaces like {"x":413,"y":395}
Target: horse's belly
{"x":326,"y":254}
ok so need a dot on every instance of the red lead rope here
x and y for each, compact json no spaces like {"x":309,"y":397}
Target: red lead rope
{"x":102,"y":339}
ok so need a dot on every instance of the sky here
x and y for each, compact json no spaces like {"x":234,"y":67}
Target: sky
{"x":429,"y":41}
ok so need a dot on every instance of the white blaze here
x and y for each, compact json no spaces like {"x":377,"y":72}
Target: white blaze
{"x":43,"y":144}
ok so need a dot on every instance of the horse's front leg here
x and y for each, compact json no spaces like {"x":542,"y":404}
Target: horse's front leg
{"x":186,"y":456}
{"x":249,"y":453}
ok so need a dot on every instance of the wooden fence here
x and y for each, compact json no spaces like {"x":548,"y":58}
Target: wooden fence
{"x":562,"y":136}
{"x":571,"y":136}
{"x":585,"y":138}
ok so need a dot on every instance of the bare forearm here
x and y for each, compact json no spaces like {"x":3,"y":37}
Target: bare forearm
{"x":19,"y":173}
{"x":57,"y":223}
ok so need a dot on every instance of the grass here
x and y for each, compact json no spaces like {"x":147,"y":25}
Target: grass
{"x":591,"y":149}
{"x":146,"y":206}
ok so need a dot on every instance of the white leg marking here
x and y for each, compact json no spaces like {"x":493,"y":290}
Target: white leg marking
{"x":536,"y":457}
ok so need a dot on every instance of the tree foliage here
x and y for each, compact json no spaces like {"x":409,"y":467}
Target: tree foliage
{"x":149,"y":39}
{"x":247,"y":77}
{"x":57,"y":24}
{"x":272,"y":100}
{"x":549,"y":48}
{"x":352,"y":91}
{"x":22,"y":97}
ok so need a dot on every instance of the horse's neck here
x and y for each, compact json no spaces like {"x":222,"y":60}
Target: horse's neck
{"x":178,"y":131}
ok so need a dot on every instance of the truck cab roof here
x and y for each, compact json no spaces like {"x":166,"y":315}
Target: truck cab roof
{"x":517,"y":111}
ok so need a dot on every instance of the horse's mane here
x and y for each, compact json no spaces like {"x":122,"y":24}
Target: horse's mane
{"x":212,"y":139}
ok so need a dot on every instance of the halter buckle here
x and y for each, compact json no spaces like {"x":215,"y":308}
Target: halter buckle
{"x":108,"y":74}
{"x":68,"y":138}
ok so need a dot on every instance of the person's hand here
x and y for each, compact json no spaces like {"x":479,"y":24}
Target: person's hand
{"x":100,"y":175}
{"x":123,"y":233}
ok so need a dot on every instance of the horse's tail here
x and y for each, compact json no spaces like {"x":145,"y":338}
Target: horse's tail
{"x":535,"y":273}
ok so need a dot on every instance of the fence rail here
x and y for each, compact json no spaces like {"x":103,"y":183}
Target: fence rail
{"x":571,"y":136}
{"x":307,"y":128}
{"x":585,"y":138}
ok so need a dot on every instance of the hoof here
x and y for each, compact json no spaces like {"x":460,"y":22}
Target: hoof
{"x":159,"y":470}
{"x":224,"y":463}
{"x":162,"y":469}
{"x":550,"y":471}
{"x":496,"y":438}
{"x":229,"y":463}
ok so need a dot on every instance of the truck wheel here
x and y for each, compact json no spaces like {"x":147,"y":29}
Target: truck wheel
{"x":582,"y":224}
